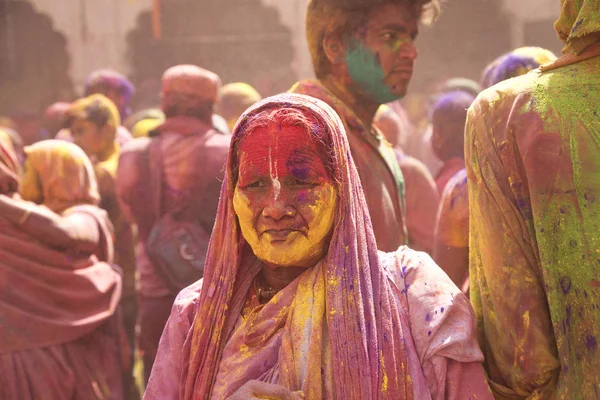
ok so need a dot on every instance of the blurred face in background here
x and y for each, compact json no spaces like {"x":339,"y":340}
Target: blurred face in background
{"x":93,"y":139}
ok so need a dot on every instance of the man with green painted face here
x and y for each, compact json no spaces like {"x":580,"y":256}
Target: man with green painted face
{"x":363,"y":53}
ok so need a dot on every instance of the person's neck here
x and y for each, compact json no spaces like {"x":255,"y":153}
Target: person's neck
{"x":108,"y":151}
{"x":364,"y":108}
{"x":277,"y":278}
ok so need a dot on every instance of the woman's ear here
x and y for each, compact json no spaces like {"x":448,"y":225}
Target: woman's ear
{"x":334,"y":49}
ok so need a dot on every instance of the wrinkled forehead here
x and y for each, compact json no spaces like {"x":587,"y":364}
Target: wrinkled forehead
{"x":320,"y":128}
{"x":280,"y":149}
{"x":279,"y":122}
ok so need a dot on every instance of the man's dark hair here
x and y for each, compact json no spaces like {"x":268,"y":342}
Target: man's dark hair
{"x":344,"y":17}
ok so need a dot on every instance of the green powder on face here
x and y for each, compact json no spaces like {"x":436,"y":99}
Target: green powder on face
{"x":365,"y":71}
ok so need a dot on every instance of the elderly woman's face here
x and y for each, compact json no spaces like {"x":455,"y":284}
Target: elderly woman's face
{"x":284,"y":199}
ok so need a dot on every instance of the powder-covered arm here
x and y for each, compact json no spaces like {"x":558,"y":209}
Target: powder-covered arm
{"x":77,"y":231}
{"x":507,"y":291}
{"x":164,"y":383}
{"x":442,"y":326}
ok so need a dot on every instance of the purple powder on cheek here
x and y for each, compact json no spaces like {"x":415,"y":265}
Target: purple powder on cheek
{"x":300,"y":172}
{"x":303,"y":196}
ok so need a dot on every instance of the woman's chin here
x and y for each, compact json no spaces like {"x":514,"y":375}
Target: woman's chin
{"x":289,"y":255}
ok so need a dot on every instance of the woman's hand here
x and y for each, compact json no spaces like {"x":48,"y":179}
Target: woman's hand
{"x":261,"y":390}
{"x":76,"y":231}
{"x":9,"y":183}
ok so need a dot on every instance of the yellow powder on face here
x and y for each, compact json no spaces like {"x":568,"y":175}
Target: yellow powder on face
{"x":297,"y":248}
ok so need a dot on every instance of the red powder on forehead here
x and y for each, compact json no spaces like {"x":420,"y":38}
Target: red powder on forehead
{"x":280,"y":151}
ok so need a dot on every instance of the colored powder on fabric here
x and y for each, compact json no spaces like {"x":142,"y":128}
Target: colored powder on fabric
{"x":559,"y":202}
{"x":591,"y":342}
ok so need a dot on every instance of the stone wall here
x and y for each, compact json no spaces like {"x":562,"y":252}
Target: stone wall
{"x":468,"y":34}
{"x":96,"y":31}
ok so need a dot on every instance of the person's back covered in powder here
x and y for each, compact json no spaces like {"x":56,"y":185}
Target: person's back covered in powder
{"x":532,"y":160}
{"x":188,"y":155}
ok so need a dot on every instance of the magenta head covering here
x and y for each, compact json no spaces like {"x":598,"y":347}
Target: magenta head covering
{"x":362,"y":316}
{"x":193,"y":81}
{"x":187,"y":89}
{"x":515,"y":63}
{"x":453,"y":105}
{"x":105,"y":81}
{"x":102,"y":79}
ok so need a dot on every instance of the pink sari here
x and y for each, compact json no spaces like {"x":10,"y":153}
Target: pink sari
{"x":60,"y":338}
{"x":58,"y":330}
{"x":359,"y":325}
{"x":49,"y":297}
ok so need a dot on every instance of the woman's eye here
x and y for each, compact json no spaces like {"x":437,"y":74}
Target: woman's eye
{"x":301,"y":182}
{"x":256,"y":184}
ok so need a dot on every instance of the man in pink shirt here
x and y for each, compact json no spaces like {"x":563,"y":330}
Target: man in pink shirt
{"x":192,"y":155}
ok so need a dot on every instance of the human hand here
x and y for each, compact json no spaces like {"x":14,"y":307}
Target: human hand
{"x":261,"y":390}
{"x":9,"y":183}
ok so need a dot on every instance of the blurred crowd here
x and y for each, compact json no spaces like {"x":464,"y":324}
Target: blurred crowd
{"x":108,"y":214}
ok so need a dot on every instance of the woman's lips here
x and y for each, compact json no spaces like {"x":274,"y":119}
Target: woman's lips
{"x":277,"y":235}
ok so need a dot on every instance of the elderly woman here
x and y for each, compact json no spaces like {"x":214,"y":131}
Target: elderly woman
{"x":58,"y":292}
{"x":296,"y":301}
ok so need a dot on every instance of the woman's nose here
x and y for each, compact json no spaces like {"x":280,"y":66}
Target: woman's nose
{"x":278,"y":205}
